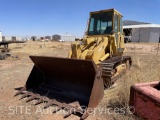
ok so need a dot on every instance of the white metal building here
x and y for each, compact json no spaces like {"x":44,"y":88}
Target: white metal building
{"x":19,"y":38}
{"x":35,"y":38}
{"x":12,"y":38}
{"x":7,"y":38}
{"x":57,"y":37}
{"x":141,"y":32}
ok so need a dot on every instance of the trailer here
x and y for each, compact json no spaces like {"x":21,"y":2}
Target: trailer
{"x":5,"y":52}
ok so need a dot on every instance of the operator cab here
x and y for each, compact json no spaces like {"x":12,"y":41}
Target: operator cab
{"x":105,"y":22}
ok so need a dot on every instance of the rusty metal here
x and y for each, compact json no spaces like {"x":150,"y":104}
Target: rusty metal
{"x":65,"y":83}
{"x":4,"y":55}
{"x":145,"y":100}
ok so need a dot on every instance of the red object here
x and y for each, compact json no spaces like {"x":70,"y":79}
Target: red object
{"x":145,"y":98}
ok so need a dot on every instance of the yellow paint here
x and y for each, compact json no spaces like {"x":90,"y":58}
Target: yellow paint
{"x":104,"y":57}
{"x":99,"y":47}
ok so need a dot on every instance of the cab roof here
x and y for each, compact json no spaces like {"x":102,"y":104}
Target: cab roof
{"x":107,"y":10}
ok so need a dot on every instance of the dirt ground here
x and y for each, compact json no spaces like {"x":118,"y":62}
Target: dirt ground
{"x":15,"y":70}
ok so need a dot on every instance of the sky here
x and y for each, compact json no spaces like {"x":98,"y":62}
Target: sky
{"x":49,"y":17}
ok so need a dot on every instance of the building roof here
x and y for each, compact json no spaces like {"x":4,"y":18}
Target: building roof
{"x":131,"y":22}
{"x":142,"y":26}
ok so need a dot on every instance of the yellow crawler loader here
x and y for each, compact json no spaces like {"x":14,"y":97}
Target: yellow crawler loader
{"x":76,"y":83}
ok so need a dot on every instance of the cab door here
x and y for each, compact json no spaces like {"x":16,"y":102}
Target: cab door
{"x":118,"y":29}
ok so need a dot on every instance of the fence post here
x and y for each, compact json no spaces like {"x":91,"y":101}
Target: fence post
{"x":30,"y":44}
{"x":158,"y":44}
{"x":44,"y":43}
{"x":139,"y":35}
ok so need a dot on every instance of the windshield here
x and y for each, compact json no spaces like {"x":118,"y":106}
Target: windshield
{"x":100,"y":23}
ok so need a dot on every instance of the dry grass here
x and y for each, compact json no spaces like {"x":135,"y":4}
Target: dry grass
{"x":146,"y":65}
{"x":145,"y":68}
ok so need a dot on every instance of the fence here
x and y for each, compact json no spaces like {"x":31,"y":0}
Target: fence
{"x":148,"y":36}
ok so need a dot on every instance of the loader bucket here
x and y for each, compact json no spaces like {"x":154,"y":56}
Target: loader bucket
{"x":66,"y":83}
